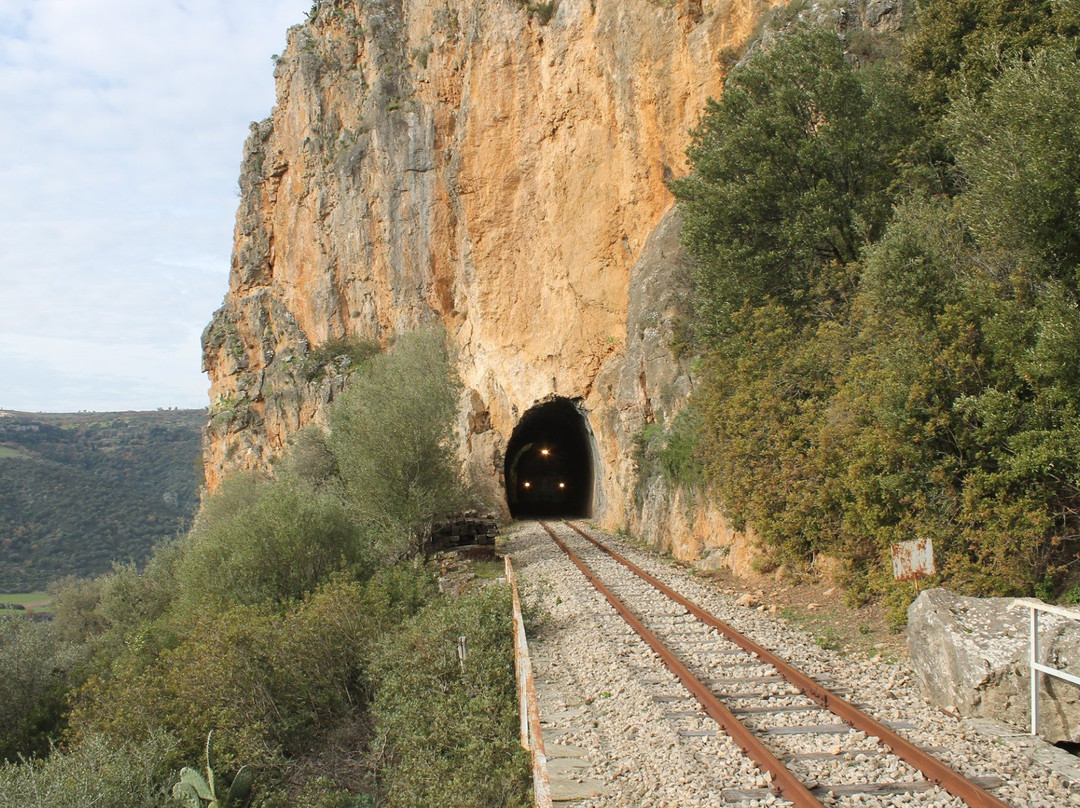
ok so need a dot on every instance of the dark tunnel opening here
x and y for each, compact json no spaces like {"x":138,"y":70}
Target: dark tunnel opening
{"x":549,"y":463}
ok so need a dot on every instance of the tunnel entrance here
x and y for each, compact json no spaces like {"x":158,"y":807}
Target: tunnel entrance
{"x":549,"y":463}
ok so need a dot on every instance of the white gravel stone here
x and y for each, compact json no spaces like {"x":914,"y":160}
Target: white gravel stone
{"x":608,"y":682}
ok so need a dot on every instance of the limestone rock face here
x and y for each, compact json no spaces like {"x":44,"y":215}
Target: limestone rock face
{"x":971,"y":656}
{"x":466,"y":163}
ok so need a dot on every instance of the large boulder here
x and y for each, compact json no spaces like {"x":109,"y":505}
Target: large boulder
{"x":971,"y":657}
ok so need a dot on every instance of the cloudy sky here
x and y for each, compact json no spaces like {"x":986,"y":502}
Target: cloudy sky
{"x":121,"y":129}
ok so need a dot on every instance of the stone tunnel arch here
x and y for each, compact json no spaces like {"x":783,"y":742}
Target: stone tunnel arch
{"x":550,"y":463}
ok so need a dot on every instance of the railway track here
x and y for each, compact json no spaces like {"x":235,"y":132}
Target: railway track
{"x":813,"y":746}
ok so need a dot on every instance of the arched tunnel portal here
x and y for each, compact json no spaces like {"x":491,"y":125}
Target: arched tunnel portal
{"x":549,"y":463}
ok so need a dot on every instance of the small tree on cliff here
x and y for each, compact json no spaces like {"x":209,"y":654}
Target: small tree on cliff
{"x":391,"y":436}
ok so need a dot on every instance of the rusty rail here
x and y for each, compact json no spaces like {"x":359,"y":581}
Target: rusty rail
{"x":933,"y":769}
{"x":532,"y":738}
{"x":784,"y":783}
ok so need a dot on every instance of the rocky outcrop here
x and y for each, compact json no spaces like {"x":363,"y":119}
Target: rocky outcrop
{"x":498,"y":167}
{"x":476,"y":165}
{"x":971,"y":657}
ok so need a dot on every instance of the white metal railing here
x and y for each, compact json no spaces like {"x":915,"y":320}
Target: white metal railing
{"x":1037,"y":668}
{"x":532,"y":738}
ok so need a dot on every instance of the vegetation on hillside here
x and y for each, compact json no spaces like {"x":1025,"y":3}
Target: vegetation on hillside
{"x":80,"y":491}
{"x":886,"y":297}
{"x":296,"y":621}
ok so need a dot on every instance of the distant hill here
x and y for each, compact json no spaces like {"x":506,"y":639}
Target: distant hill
{"x":81,"y":490}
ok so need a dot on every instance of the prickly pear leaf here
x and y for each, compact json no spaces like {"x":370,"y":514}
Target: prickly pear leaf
{"x":197,"y":783}
{"x":184,"y":794}
{"x":240,"y":787}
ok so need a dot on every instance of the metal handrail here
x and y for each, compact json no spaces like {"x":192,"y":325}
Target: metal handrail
{"x":1037,"y":668}
{"x":532,"y":738}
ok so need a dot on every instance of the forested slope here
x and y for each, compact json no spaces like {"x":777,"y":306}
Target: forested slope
{"x":79,"y":491}
{"x":297,"y":622}
{"x":887,"y":236}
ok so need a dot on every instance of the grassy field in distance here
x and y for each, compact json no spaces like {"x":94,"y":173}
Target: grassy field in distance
{"x":31,"y":601}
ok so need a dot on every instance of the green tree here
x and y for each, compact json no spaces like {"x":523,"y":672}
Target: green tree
{"x":1017,"y":148}
{"x":794,"y":170}
{"x":390,"y":434}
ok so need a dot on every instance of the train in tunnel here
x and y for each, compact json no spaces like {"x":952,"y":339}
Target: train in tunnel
{"x":549,"y":464}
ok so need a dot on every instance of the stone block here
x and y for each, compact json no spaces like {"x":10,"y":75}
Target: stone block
{"x":971,"y":657}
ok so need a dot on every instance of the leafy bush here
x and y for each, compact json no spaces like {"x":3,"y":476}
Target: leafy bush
{"x":343,"y":355}
{"x":309,"y":459}
{"x":1017,"y":147}
{"x":97,"y":772}
{"x":672,"y":452}
{"x":447,"y":732}
{"x":390,"y":434}
{"x":269,"y":682}
{"x":959,"y":45}
{"x":36,"y":671}
{"x":278,"y":542}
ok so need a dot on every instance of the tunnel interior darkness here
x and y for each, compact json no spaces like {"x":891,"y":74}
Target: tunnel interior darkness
{"x":549,"y":463}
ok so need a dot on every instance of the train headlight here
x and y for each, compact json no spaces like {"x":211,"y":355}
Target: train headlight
{"x":562,"y":485}
{"x":527,"y":484}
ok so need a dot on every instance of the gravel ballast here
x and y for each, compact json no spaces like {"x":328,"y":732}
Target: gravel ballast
{"x":643,"y":741}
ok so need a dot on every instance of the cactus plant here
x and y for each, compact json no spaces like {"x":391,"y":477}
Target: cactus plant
{"x":194,"y":789}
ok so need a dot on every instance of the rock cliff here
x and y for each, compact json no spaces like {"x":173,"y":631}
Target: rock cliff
{"x":494,"y":166}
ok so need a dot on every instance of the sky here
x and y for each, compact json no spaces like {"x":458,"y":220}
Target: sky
{"x":122,"y":125}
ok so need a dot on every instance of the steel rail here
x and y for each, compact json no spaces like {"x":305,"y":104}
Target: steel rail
{"x":933,"y":769}
{"x":784,"y":783}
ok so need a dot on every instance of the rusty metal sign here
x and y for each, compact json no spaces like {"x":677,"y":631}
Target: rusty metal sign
{"x":912,"y":560}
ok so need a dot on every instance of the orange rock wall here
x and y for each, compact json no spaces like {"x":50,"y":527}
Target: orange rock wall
{"x":457,"y":161}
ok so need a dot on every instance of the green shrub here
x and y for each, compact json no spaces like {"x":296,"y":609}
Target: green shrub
{"x":277,"y":543}
{"x":98,"y":773}
{"x":391,"y":435}
{"x":77,"y":613}
{"x":672,"y":452}
{"x":1017,"y":147}
{"x":309,"y":458}
{"x":447,"y":734}
{"x":269,"y":682}
{"x":960,"y":45}
{"x":36,"y":671}
{"x":343,"y":355}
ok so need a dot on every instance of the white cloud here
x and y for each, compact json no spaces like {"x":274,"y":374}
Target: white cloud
{"x":120,"y":141}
